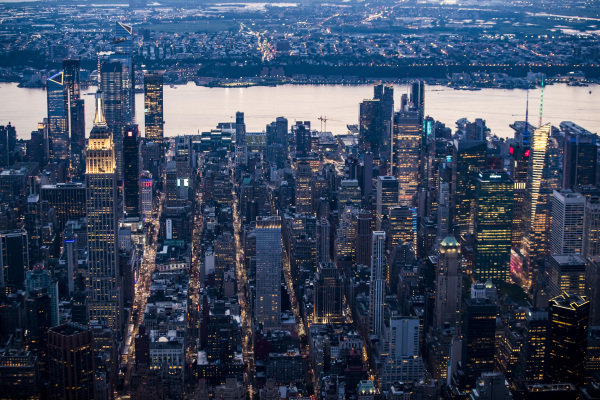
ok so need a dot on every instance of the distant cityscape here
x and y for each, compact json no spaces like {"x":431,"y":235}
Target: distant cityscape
{"x":403,"y":260}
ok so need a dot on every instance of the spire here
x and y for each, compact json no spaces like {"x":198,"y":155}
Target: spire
{"x":99,"y":119}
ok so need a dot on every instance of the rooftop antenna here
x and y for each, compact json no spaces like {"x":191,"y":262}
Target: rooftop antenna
{"x":542,"y":101}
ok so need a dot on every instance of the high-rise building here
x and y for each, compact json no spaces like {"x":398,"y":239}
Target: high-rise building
{"x":493,"y":225}
{"x":58,"y":118}
{"x":567,"y":342}
{"x":241,"y":146}
{"x":153,"y":106}
{"x":14,"y":260}
{"x":542,"y":179}
{"x":377,"y":285}
{"x":304,"y":188}
{"x":402,"y":226}
{"x":8,"y":142}
{"x":385,"y":94}
{"x":407,"y":150}
{"x":103,"y":286}
{"x":567,"y":228}
{"x":479,"y":333}
{"x":111,"y":85}
{"x":67,"y":199}
{"x":267,"y":304}
{"x":131,"y":171}
{"x":417,"y":96}
{"x":71,"y":356}
{"x":328,"y":295}
{"x":532,"y":362}
{"x":448,"y":283}
{"x":75,"y":108}
{"x":146,"y":194}
{"x":371,"y":127}
{"x":403,"y":363}
{"x":364,"y":236}
{"x":303,"y":139}
{"x":520,"y":162}
{"x":468,"y":158}
{"x":565,"y":273}
{"x":591,"y":228}
{"x":592,"y":282}
{"x":348,"y":194}
{"x":580,"y":156}
{"x":323,"y":241}
{"x":387,"y":195}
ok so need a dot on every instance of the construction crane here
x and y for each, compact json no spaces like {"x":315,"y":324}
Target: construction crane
{"x":323,"y":120}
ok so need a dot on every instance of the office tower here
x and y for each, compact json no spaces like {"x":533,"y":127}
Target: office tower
{"x":567,"y":226}
{"x":146,"y":194}
{"x":468,"y":158}
{"x":111,"y":85}
{"x":493,"y":225}
{"x":443,"y":211}
{"x":19,"y":373}
{"x":520,"y":162}
{"x":131,"y":171}
{"x":171,"y":184}
{"x":301,"y":132}
{"x":387,"y":195}
{"x":153,"y":106}
{"x":277,"y":142}
{"x":323,"y":241}
{"x":417,"y":96}
{"x":542,"y":179}
{"x":241,"y":147}
{"x":592,"y":283}
{"x":385,"y":95}
{"x":37,"y":146}
{"x":67,"y":199}
{"x":407,"y":150}
{"x":348,"y":194}
{"x":328,"y":295}
{"x":345,"y":239}
{"x":58,"y":118}
{"x":448,"y":283}
{"x":532,"y":360}
{"x":304,"y":188}
{"x":580,"y":156}
{"x":103,"y":286}
{"x":377,"y":284}
{"x":565,"y":273}
{"x":267,"y":306}
{"x":371,"y":128}
{"x":123,"y":53}
{"x":491,"y":386}
{"x":224,"y":251}
{"x":14,"y":260}
{"x":364,"y":236}
{"x":478,"y":347}
{"x":8,"y":142}
{"x":567,"y":342}
{"x":71,"y":356}
{"x":75,"y":108}
{"x":403,"y":363}
{"x":402,"y":226}
{"x":591,"y":228}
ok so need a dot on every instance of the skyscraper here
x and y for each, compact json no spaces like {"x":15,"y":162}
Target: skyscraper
{"x":267,"y":306}
{"x":111,"y":85}
{"x":377,"y":285}
{"x":493,"y":225}
{"x":75,"y":109}
{"x":591,"y":232}
{"x":304,"y":189}
{"x":542,"y":179}
{"x":402,"y":226}
{"x":448,"y":283}
{"x":468,"y":158}
{"x":58,"y":118}
{"x":371,"y":128}
{"x":580,"y":156}
{"x":146,"y":194}
{"x":532,"y":362}
{"x":567,"y":229}
{"x":67,"y":199}
{"x":123,"y":52}
{"x":403,"y":363}
{"x":131,"y":171}
{"x":364,"y":237}
{"x":328,"y":295}
{"x":406,"y":154}
{"x":153,"y":106}
{"x":71,"y":356}
{"x":565,"y":273}
{"x":103,"y":288}
{"x":323,"y":241}
{"x":567,"y":338}
{"x":387,"y":195}
{"x":14,"y":260}
{"x":303,"y":139}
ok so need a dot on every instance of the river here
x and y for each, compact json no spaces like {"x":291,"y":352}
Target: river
{"x":190,"y":109}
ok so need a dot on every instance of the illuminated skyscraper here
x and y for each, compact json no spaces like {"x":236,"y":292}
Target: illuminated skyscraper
{"x":468,"y":159}
{"x":267,"y":304}
{"x":580,"y":155}
{"x":387,"y":195}
{"x":377,"y":285}
{"x":493,"y":223}
{"x":153,"y":106}
{"x":520,"y":163}
{"x":304,"y":189}
{"x":146,"y":194}
{"x":448,"y":282}
{"x":123,"y":52}
{"x":301,"y":132}
{"x":58,"y":118}
{"x":542,"y":179}
{"x":131,"y":171}
{"x":407,"y":149}
{"x":565,"y":273}
{"x":241,"y":147}
{"x":75,"y":108}
{"x":328,"y":300}
{"x":402,"y":226}
{"x":567,"y":227}
{"x":567,"y":339}
{"x":532,"y":362}
{"x":103,"y":288}
{"x":591,"y":234}
{"x":111,"y":84}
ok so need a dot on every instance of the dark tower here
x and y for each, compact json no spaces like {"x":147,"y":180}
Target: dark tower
{"x":131,"y":171}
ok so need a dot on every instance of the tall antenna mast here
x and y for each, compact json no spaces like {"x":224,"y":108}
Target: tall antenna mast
{"x":542,"y":101}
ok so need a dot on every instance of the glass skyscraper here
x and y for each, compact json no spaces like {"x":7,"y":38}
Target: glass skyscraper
{"x":58,"y":120}
{"x":153,"y":106}
{"x":267,"y":305}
